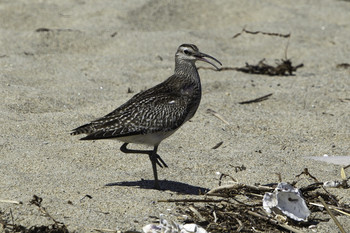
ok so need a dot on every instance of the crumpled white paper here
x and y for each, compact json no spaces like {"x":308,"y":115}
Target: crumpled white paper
{"x":172,"y":227}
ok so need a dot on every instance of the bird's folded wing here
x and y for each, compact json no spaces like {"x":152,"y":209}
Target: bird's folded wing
{"x":161,"y":112}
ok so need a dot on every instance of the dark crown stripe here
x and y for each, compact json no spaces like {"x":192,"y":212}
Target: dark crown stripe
{"x":192,"y":46}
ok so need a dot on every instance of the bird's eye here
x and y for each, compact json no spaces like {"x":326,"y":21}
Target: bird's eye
{"x":186,"y":52}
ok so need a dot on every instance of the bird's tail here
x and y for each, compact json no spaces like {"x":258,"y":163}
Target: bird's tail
{"x":84,"y":129}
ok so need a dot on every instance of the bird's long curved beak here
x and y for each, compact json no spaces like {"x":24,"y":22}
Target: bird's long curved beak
{"x":201,"y":56}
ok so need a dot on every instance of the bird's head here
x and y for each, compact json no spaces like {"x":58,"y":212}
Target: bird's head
{"x":190,"y":52}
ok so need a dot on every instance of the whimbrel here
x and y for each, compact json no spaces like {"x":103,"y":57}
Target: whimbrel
{"x":154,"y":114}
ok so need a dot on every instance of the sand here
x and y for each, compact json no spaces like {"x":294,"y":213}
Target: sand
{"x":94,"y":51}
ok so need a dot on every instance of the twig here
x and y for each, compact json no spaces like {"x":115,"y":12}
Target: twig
{"x":240,"y":225}
{"x":104,"y":230}
{"x":226,"y":175}
{"x":262,"y":98}
{"x":285,"y":226}
{"x":215,"y":217}
{"x":307,"y":173}
{"x":332,"y":215}
{"x":344,"y":100}
{"x":11,"y":202}
{"x":214,"y":191}
{"x":310,"y":187}
{"x":332,"y":208}
{"x":279,"y":176}
{"x":260,"y":32}
{"x":238,"y":186}
{"x":13,"y":221}
{"x":196,"y":212}
{"x":192,"y":200}
{"x":210,"y":111}
{"x":37,"y":202}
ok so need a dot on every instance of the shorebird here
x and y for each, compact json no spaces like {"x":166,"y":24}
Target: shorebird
{"x":154,"y":114}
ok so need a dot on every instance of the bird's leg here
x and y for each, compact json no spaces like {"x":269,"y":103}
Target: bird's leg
{"x":154,"y":160}
{"x":159,"y":160}
{"x":153,"y":156}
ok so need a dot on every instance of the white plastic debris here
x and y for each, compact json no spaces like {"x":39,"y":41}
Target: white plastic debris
{"x":287,"y":200}
{"x":172,"y":227}
{"x":332,"y":184}
{"x":191,"y":227}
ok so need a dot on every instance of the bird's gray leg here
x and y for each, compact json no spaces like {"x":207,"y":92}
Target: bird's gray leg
{"x":159,"y":160}
{"x":154,"y":160}
{"x":153,"y":156}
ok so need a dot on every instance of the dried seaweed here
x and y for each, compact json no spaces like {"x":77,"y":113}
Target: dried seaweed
{"x":56,"y":227}
{"x":282,"y":68}
{"x":260,"y":32}
{"x":237,"y":207}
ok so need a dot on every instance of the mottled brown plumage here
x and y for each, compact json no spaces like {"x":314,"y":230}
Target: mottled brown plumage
{"x":154,"y":114}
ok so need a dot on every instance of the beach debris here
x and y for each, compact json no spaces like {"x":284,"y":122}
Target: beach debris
{"x":332,"y":215}
{"x":9,"y":225}
{"x":217,"y":115}
{"x":283,"y":67}
{"x":86,"y":196}
{"x":336,"y":183}
{"x":332,"y":184}
{"x":130,"y":90}
{"x":343,"y":174}
{"x":172,"y":227}
{"x":114,"y":34}
{"x":42,"y":30}
{"x":344,"y":100}
{"x":287,"y":200}
{"x":260,"y":32}
{"x":217,"y":145}
{"x":238,"y":168}
{"x":343,"y":66}
{"x":256,"y":100}
{"x":238,"y":207}
{"x":11,"y":202}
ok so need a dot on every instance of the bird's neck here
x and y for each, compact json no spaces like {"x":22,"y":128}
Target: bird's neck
{"x":188,"y":69}
{"x":190,"y":84}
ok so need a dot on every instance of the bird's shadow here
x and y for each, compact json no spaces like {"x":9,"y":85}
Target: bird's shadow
{"x":173,"y":186}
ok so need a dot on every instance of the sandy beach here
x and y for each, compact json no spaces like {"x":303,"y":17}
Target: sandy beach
{"x":65,"y":63}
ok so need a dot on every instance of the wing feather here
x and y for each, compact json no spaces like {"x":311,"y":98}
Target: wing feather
{"x":147,"y":112}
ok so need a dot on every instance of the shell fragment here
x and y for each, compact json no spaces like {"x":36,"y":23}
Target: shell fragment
{"x":286,"y":200}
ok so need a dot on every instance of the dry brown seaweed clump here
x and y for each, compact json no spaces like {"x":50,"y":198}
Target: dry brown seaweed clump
{"x":8,"y":224}
{"x":282,"y":68}
{"x":237,"y":207}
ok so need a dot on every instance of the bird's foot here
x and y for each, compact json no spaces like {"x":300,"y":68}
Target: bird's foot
{"x":160,"y":161}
